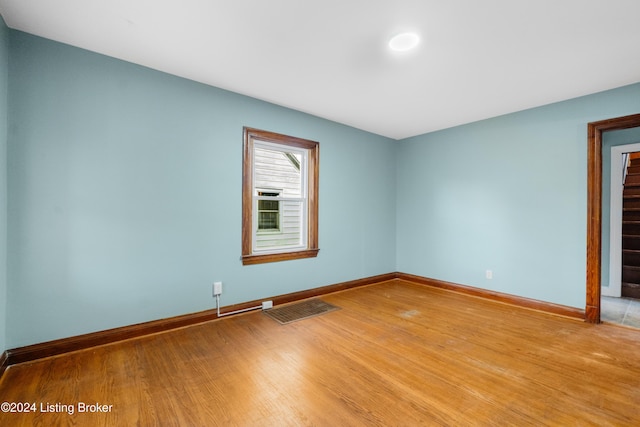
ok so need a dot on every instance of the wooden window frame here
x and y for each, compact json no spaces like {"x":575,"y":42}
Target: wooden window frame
{"x":313,"y":155}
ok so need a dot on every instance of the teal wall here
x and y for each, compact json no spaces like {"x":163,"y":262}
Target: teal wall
{"x":4,"y":78}
{"x":123,"y":189}
{"x":507,"y":194}
{"x":125,"y":195}
{"x":611,"y":139}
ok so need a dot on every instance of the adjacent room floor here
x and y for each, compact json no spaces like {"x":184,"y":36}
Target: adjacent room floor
{"x":623,"y":311}
{"x":393,"y":353}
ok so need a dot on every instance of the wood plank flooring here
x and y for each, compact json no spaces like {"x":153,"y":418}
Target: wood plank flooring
{"x":396,"y":353}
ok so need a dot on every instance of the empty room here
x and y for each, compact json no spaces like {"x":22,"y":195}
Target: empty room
{"x":319,"y":213}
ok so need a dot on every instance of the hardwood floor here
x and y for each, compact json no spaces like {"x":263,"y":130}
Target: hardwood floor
{"x":396,"y":353}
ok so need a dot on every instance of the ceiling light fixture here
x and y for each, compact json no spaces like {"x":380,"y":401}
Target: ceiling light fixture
{"x":403,"y":42}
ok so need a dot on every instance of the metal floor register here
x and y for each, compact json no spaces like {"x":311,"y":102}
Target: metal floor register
{"x":299,"y":311}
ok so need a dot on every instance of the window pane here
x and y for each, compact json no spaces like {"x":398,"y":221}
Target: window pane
{"x":285,"y":227}
{"x":278,"y":169}
{"x":268,"y":205}
{"x":268,"y":221}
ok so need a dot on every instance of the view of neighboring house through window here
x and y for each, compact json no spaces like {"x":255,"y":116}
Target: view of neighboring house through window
{"x":268,"y":211}
{"x":280,"y":197}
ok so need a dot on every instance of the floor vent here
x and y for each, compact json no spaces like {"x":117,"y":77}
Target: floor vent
{"x":300,"y":311}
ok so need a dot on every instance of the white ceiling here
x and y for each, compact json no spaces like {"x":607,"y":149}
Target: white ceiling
{"x":477,"y":58}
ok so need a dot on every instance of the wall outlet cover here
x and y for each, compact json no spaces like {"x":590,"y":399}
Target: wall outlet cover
{"x":217,"y":288}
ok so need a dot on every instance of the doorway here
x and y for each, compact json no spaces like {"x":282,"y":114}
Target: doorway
{"x":631,"y":227}
{"x":594,"y":208}
{"x":621,"y":174}
{"x":620,"y":283}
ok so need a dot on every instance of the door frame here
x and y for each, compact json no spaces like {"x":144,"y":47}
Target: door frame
{"x":594,"y":207}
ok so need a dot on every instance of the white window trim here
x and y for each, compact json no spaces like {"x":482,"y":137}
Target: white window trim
{"x":303,"y":199}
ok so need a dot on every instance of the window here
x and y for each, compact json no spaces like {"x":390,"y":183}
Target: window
{"x":279,"y":197}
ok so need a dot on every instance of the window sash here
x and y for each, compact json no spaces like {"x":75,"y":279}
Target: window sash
{"x":300,"y":236}
{"x":286,"y":243}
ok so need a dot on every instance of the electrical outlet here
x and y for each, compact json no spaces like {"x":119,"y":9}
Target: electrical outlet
{"x":266,"y":305}
{"x":489,"y":274}
{"x":217,"y":288}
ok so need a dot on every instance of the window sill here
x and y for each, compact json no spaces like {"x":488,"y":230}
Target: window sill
{"x":279,"y":256}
